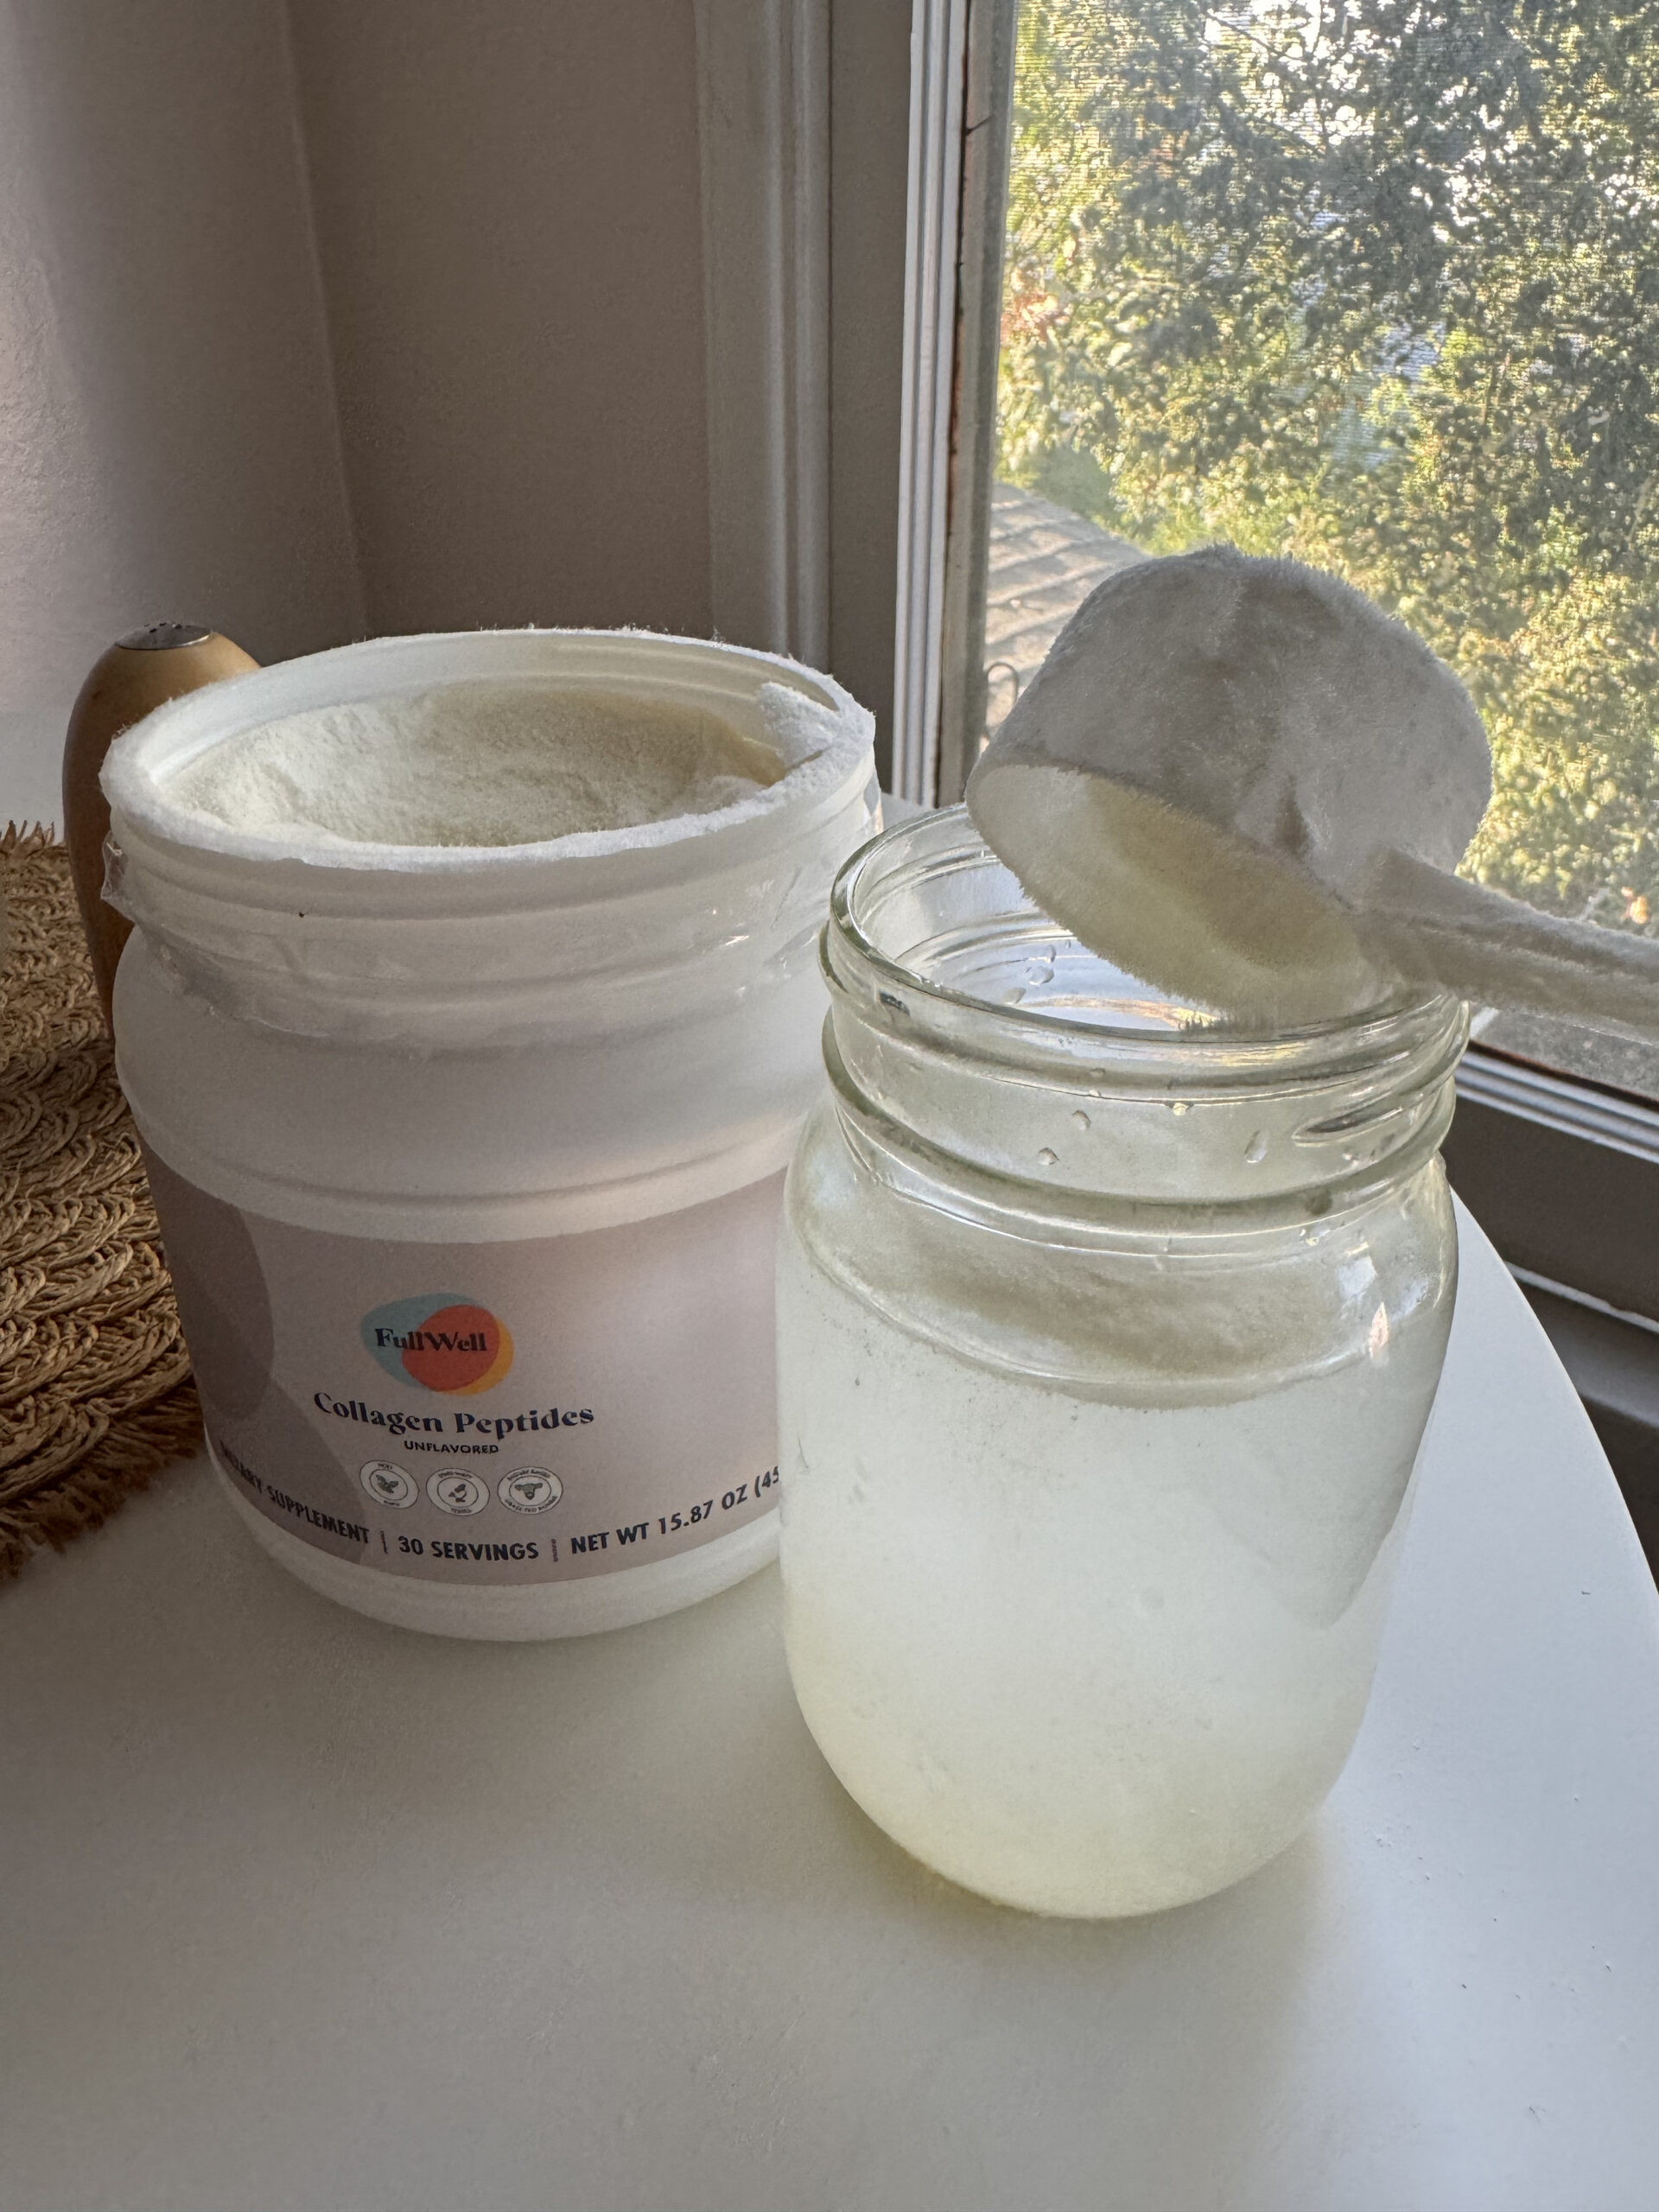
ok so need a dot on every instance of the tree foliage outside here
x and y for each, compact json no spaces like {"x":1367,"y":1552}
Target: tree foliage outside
{"x":1375,"y":282}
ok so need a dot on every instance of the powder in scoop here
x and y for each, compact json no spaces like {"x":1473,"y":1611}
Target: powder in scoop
{"x":1246,"y":783}
{"x":1209,"y":759}
{"x":476,"y":764}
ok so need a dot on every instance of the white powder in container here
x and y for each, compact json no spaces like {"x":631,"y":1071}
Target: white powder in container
{"x":473,"y":765}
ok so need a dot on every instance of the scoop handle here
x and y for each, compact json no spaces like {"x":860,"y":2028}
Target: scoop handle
{"x":140,"y":672}
{"x":1499,"y":951}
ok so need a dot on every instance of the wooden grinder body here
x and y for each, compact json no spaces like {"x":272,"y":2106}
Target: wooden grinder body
{"x":142,"y":671}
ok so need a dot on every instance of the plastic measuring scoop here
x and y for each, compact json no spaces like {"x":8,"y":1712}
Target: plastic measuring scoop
{"x":1241,"y":780}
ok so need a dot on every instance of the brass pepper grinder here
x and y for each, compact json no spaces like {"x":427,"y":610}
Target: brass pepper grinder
{"x":140,"y":672}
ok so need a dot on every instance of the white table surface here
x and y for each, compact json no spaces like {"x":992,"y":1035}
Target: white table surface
{"x":300,"y":1912}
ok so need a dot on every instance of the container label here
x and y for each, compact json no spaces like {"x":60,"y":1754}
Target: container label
{"x":535,"y":1411}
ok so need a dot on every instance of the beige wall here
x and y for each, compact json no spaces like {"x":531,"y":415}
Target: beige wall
{"x":507,"y":206}
{"x":167,"y":434}
{"x":470,"y":391}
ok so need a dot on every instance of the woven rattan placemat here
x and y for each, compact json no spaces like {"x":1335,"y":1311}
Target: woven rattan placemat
{"x":95,"y":1388}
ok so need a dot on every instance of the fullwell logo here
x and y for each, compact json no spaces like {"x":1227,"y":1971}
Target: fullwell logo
{"x":442,"y":1342}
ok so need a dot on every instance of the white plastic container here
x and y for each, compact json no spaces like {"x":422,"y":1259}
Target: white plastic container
{"x":468,"y":1158}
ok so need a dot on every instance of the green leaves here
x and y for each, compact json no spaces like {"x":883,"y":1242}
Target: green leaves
{"x":1376,"y":284}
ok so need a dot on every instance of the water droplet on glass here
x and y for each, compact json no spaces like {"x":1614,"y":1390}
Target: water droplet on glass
{"x":1180,"y":1105}
{"x":1047,"y":1159}
{"x":1256,"y":1151}
{"x":1079,"y":1120}
{"x":1013,"y":997}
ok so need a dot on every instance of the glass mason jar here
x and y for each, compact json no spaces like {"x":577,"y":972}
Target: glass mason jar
{"x":1107,"y":1341}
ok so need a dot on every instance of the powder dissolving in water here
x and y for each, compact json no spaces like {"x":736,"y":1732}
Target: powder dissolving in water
{"x":1095,"y":1645}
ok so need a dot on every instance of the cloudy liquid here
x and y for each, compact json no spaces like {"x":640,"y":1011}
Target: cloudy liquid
{"x":1083,"y":1658}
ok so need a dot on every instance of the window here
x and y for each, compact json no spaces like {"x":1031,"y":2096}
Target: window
{"x":1376,"y":285}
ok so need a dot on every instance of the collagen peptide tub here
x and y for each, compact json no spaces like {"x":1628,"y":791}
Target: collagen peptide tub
{"x":470,"y":1012}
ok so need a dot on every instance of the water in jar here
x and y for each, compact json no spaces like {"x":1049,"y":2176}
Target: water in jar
{"x":1083,"y":1656}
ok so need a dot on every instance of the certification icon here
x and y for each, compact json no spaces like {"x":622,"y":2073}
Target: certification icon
{"x":530,"y":1489}
{"x":386,"y":1485}
{"x":453,"y":1493}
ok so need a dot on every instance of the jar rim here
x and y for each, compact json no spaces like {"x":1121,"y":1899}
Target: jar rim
{"x":1183,"y":1048}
